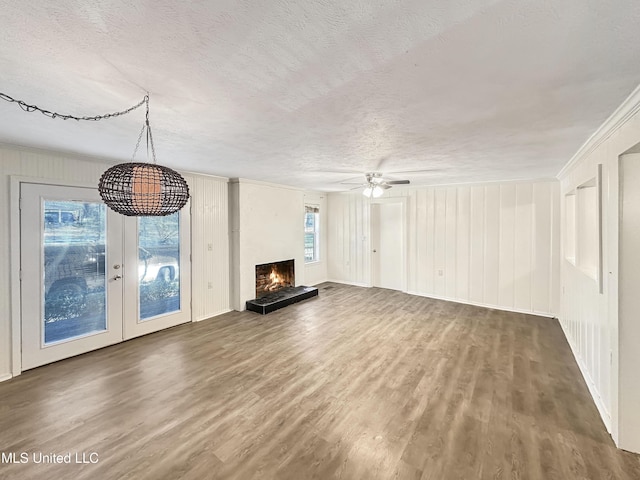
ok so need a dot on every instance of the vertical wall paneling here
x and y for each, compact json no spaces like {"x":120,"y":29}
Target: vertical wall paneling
{"x":543,"y":243}
{"x":463,"y":242}
{"x":418,"y":234}
{"x":507,"y":253}
{"x":476,"y":250}
{"x":450,"y":265}
{"x":524,"y":239}
{"x":491,"y":280}
{"x":362,"y":241}
{"x":489,"y":245}
{"x":555,"y":283}
{"x":429,"y":264}
{"x":439,"y":245}
{"x":209,"y":245}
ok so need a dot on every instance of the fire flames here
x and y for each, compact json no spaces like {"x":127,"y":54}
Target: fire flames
{"x":275,"y":281}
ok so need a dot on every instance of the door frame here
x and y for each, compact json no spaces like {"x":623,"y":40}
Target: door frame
{"x":15,"y":286}
{"x":403,"y":240}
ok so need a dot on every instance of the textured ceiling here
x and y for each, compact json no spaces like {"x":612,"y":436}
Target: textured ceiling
{"x":311,"y":93}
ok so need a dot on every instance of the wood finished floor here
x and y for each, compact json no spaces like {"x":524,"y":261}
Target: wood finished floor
{"x":356,"y":384}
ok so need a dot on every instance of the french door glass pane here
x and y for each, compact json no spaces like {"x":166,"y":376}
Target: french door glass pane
{"x":158,"y":265}
{"x":74,"y":273}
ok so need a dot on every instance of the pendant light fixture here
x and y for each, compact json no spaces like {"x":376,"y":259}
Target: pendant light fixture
{"x":143,"y":189}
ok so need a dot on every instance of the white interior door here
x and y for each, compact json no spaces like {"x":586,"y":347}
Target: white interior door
{"x":92,"y":277}
{"x":387,"y":233}
{"x":71,"y":304}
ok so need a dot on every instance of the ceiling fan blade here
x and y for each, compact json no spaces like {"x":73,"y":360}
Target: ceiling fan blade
{"x":424,"y":170}
{"x":397,"y":182}
{"x":381,"y":162}
{"x":343,"y":171}
{"x":348,"y":181}
{"x":359,"y":186}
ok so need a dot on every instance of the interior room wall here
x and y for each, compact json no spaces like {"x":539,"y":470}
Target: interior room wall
{"x":494,"y":245}
{"x":210,"y":243}
{"x":629,"y":301}
{"x":267,"y":225}
{"x":602,"y":340}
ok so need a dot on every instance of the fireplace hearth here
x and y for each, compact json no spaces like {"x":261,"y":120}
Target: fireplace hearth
{"x":281,"y":298}
{"x":275,"y":287}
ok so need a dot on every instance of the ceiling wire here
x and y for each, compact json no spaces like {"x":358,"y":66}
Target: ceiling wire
{"x":34,"y":108}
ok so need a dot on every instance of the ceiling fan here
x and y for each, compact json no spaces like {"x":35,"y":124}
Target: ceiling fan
{"x":376,"y":184}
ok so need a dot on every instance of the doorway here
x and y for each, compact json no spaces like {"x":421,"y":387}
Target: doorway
{"x":91,"y":277}
{"x":387,"y":244}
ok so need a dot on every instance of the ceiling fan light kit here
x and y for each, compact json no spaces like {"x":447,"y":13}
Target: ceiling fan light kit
{"x":373,"y":190}
{"x":376,"y":185}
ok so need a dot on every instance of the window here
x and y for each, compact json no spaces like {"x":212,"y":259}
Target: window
{"x":311,"y":233}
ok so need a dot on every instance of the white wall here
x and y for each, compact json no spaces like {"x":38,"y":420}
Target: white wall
{"x":209,"y":226}
{"x":495,"y":245}
{"x":209,"y":245}
{"x":316,"y":272}
{"x":629,"y":306}
{"x":607,"y":355}
{"x":267,"y":225}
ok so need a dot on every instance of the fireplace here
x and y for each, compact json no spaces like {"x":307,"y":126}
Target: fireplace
{"x":271,"y":277}
{"x":275,"y":287}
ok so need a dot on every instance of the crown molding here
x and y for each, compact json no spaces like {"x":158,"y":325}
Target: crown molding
{"x":264,"y":184}
{"x":618,"y":118}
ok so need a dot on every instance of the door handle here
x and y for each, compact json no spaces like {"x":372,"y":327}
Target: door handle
{"x":374,"y":251}
{"x":117,"y":277}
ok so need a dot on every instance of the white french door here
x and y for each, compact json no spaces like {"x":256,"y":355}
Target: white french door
{"x":91,"y":277}
{"x":157,"y":278}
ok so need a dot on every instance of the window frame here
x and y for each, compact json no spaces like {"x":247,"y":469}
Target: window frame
{"x":314,"y":231}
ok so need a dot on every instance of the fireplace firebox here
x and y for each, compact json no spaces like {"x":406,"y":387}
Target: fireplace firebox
{"x":275,"y":287}
{"x":271,"y":277}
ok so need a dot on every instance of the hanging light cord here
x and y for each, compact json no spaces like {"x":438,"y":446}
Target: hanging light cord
{"x":145,"y":101}
{"x":34,"y":108}
{"x":146,"y":126}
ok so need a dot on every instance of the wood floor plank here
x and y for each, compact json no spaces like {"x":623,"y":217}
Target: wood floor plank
{"x":357,"y":383}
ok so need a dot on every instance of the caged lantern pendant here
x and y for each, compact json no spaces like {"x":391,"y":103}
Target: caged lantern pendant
{"x":143,"y":189}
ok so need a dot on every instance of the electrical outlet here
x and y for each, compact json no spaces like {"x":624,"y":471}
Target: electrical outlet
{"x":210,"y":246}
{"x":440,"y":272}
{"x":210,"y":285}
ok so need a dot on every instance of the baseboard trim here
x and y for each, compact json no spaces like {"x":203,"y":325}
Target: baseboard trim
{"x":354,"y":284}
{"x":207,"y":317}
{"x":5,"y":377}
{"x":593,"y":390}
{"x":485,"y":305}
